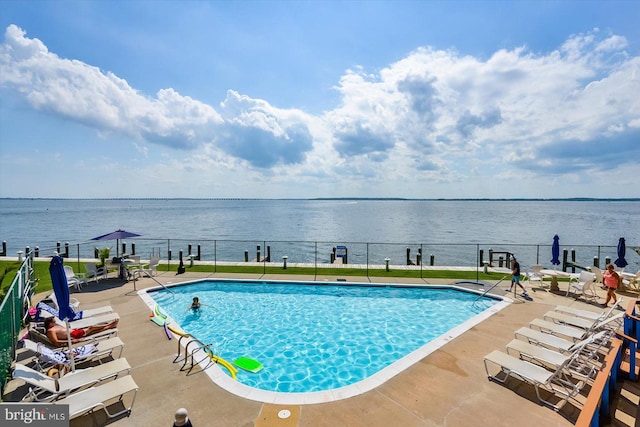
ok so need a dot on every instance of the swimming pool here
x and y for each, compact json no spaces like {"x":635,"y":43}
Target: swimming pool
{"x":320,"y":341}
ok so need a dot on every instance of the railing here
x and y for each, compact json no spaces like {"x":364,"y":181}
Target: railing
{"x":598,"y":401}
{"x":356,"y":254}
{"x":13,"y":311}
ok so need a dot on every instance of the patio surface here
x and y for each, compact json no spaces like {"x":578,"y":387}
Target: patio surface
{"x":447,"y":388}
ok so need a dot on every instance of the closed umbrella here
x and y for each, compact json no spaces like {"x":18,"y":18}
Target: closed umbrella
{"x":621,"y":262}
{"x":555,"y":251}
{"x":117,"y":235}
{"x":61,"y":290}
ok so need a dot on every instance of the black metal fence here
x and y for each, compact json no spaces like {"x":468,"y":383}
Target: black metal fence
{"x":13,"y":310}
{"x":355,"y":254}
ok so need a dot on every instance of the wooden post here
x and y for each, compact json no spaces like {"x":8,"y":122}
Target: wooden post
{"x":133,"y":249}
{"x":246,"y":256}
{"x":573,"y":260}
{"x":408,"y":256}
{"x":198,"y":257}
{"x":565,"y":257}
{"x":432,"y":260}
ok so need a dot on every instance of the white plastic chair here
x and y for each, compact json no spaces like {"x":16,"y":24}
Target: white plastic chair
{"x":73,"y":279}
{"x":94,"y":272}
{"x":535,"y":275}
{"x":584,"y":285}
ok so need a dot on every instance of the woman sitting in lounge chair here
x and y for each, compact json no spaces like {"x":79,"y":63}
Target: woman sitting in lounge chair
{"x":58,"y":334}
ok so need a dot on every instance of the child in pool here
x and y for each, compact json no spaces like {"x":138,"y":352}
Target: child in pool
{"x":195,"y":305}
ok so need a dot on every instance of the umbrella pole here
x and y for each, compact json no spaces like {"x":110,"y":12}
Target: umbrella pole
{"x":73,"y":365}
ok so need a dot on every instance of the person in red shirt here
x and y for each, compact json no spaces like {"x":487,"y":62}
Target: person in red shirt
{"x":611,"y":280}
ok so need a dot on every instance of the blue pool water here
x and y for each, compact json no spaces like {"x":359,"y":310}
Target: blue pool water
{"x":316,"y":337}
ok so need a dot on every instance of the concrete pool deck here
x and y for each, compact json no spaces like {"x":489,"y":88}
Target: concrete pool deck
{"x":448,"y":387}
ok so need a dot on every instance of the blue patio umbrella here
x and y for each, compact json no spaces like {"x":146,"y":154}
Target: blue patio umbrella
{"x":555,"y":251}
{"x":61,"y":290}
{"x":117,"y":235}
{"x":621,"y":262}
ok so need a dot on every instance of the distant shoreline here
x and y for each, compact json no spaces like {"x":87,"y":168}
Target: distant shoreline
{"x":568,"y":199}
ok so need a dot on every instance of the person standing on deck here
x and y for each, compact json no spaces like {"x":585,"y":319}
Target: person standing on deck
{"x":611,"y":280}
{"x":515,"y":276}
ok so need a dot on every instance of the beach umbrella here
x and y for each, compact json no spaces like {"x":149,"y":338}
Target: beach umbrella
{"x":555,"y":251}
{"x":621,"y":262}
{"x":61,"y":290}
{"x":117,"y":235}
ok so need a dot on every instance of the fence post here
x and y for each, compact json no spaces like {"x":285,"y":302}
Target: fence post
{"x":4,"y":248}
{"x":408,"y":257}
{"x":198,"y":256}
{"x":133,"y":249}
{"x":419,"y":257}
{"x":432,"y":260}
{"x":565,"y":257}
{"x":66,"y":249}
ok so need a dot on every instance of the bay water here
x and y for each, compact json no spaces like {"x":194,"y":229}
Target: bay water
{"x":452,"y":230}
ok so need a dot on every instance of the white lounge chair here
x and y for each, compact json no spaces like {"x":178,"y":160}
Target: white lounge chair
{"x":46,"y":310}
{"x":582,"y":361}
{"x":94,"y":272}
{"x":584,"y":286}
{"x":38,"y":333}
{"x":48,"y":357}
{"x":557,"y":382}
{"x":545,"y":339}
{"x":45,"y":388}
{"x":586,"y":314}
{"x":576,"y":333}
{"x":100,"y":397}
{"x":85,"y":322}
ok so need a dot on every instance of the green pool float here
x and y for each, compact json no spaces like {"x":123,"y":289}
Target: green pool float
{"x":248,"y":364}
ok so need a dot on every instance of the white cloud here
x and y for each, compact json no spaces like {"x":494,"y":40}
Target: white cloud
{"x":432,"y":117}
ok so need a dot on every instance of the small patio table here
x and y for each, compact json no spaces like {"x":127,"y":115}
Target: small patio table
{"x":554,"y":274}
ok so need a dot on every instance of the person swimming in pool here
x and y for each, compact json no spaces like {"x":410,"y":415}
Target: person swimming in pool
{"x":195,"y":305}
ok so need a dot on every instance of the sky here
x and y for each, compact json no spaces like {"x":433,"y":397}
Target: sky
{"x":309,"y":99}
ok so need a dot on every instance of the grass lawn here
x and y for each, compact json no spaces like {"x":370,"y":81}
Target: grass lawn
{"x":8,"y":271}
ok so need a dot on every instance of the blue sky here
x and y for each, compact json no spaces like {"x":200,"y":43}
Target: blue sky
{"x":278,"y":99}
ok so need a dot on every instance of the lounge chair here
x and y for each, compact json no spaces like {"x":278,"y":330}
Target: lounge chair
{"x":579,"y":322}
{"x":45,"y":310}
{"x":576,"y":333}
{"x":44,"y":388}
{"x":586,"y":314}
{"x":85,"y":322}
{"x":545,"y":339}
{"x":582,"y":361}
{"x":99,"y":397}
{"x":557,"y":382}
{"x":48,"y":357}
{"x":94,"y":272}
{"x":584,"y":285}
{"x":73,"y":279}
{"x":38,"y":333}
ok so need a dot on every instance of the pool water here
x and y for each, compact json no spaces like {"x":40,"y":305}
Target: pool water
{"x":315,"y":337}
